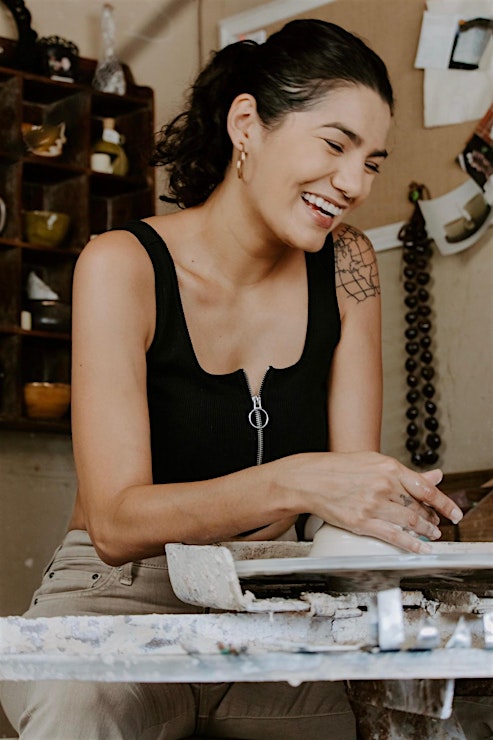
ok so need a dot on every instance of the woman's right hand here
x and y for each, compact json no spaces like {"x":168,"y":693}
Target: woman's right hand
{"x":369,"y":494}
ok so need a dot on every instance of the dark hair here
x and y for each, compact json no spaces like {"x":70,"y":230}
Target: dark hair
{"x":289,"y":72}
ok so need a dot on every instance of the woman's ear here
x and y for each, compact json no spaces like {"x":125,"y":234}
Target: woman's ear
{"x":242,"y":118}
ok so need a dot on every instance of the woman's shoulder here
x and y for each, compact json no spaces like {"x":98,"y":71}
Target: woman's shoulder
{"x":115,"y":254}
{"x":355,"y":265}
{"x":346,"y":236}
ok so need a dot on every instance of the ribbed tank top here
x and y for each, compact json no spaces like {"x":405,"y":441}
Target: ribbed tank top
{"x":205,"y":425}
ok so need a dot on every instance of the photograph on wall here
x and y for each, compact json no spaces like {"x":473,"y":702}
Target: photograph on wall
{"x":477,"y":156}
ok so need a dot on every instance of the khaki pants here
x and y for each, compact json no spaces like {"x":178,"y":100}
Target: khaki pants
{"x":77,"y":582}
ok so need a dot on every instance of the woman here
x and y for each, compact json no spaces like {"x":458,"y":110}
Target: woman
{"x":218,"y":352}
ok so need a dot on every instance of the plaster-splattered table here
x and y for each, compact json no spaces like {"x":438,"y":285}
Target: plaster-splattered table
{"x":273,"y":630}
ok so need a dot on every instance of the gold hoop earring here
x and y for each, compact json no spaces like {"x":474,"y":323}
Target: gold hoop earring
{"x":241,"y":161}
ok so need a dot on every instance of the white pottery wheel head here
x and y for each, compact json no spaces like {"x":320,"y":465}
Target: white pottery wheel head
{"x":330,"y":541}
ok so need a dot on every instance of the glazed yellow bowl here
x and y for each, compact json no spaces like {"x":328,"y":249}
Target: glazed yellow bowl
{"x":46,"y":400}
{"x":46,"y":228}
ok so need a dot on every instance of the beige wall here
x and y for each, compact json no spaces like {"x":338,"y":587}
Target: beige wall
{"x":160,"y":42}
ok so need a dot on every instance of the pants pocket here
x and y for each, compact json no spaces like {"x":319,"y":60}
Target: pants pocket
{"x":73,"y":576}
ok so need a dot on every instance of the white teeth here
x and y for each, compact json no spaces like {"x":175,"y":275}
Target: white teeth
{"x":320,"y":202}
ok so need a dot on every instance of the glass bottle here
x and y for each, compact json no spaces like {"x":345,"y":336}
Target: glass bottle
{"x":109,"y":75}
{"x":110,"y":144}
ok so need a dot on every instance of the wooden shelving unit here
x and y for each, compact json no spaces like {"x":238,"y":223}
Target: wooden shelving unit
{"x":96,"y":202}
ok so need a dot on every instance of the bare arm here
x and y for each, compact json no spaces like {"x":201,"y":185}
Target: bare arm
{"x":355,"y":387}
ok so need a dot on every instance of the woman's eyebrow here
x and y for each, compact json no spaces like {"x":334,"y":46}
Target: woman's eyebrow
{"x":355,"y":138}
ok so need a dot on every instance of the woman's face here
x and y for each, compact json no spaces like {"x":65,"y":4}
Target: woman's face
{"x":306,"y":175}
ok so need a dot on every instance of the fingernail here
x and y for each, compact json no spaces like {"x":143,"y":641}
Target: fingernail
{"x":456,"y":516}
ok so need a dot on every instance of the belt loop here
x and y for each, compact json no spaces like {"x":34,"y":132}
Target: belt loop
{"x":125,"y":572}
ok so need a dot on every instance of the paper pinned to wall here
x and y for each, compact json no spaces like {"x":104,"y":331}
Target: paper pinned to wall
{"x":457,"y":95}
{"x":457,"y":220}
{"x":436,"y":40}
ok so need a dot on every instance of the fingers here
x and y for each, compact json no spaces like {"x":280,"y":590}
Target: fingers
{"x":433,"y":476}
{"x":421,"y":488}
{"x":408,"y":502}
{"x":395,"y":535}
{"x":410,"y":520}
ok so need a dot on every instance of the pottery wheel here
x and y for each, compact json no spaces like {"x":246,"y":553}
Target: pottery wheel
{"x":342,"y":574}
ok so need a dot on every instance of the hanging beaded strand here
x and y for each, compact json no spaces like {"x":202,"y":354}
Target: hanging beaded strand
{"x":422,"y":438}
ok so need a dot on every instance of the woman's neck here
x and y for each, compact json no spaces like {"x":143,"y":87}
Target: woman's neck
{"x":223,"y":242}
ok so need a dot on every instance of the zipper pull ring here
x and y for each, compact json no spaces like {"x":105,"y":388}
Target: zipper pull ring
{"x":256,"y":414}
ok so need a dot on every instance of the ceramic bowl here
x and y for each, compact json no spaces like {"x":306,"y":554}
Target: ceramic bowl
{"x":46,"y":400}
{"x":51,"y":315}
{"x":46,"y":228}
{"x":330,"y":541}
{"x":45,"y":140}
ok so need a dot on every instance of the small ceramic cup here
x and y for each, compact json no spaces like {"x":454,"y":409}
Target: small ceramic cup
{"x":330,"y":541}
{"x":101,"y":162}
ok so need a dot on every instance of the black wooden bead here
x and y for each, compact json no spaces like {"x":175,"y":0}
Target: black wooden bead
{"x":430,"y":457}
{"x":410,"y":273}
{"x":425,"y":342}
{"x":424,"y":326}
{"x":433,"y":441}
{"x":423,"y":295}
{"x":412,"y":396}
{"x":417,"y":459}
{"x":423,"y":278}
{"x":427,"y":372}
{"x":424,"y":310}
{"x":412,"y":429}
{"x":426,"y":357}
{"x":420,"y":248}
{"x":431,"y":423}
{"x":428,"y":390}
{"x":412,"y":381}
{"x":412,"y":348}
{"x":411,"y":301}
{"x":409,"y":257}
{"x":430,"y":408}
{"x":421,"y":263}
{"x":411,"y":365}
{"x":411,"y":317}
{"x":412,"y":444}
{"x":409,"y":286}
{"x":412,"y":412}
{"x":411,"y":332}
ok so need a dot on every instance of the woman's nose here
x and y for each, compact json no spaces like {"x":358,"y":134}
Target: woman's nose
{"x":348,"y":178}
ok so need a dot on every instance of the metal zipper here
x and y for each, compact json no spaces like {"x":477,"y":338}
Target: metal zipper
{"x":258,"y":416}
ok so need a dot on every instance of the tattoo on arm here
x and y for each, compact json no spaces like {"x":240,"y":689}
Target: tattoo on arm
{"x":356,"y":264}
{"x":406,"y":500}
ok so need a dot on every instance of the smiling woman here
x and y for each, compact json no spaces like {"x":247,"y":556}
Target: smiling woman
{"x":227,"y":375}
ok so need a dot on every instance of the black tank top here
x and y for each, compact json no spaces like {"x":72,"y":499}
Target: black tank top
{"x":204,"y":425}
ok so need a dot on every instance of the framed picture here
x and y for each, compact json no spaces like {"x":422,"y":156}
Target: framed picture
{"x":59,"y":58}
